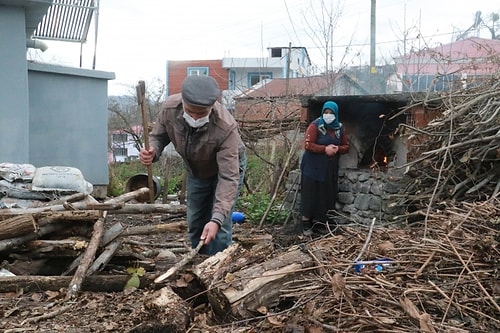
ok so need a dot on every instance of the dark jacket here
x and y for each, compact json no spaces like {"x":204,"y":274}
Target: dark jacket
{"x":210,"y":150}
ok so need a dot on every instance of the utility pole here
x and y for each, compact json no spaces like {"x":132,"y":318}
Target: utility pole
{"x":372,"y":37}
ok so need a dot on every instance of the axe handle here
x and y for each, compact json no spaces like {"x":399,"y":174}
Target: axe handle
{"x":141,"y":98}
{"x":184,"y":261}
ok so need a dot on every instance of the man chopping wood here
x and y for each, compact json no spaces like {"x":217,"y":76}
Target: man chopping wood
{"x":206,"y":136}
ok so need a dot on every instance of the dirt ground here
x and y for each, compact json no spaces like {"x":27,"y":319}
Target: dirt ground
{"x":424,"y":289}
{"x":118,"y":311}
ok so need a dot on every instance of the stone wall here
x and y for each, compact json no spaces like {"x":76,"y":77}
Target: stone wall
{"x":363,"y":195}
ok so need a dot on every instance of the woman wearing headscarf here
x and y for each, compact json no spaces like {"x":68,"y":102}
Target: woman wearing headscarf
{"x":325,"y":140}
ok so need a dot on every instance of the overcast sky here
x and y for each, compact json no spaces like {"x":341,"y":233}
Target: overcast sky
{"x":136,"y":38}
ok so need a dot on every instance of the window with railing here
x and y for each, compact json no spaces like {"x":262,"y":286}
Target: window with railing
{"x":120,"y":137}
{"x":120,"y":151}
{"x":197,"y":71}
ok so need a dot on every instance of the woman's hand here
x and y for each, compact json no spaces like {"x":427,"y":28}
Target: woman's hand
{"x":331,"y":150}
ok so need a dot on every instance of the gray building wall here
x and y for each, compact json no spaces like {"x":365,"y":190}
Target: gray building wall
{"x":68,"y":119}
{"x":14,"y":110}
{"x":50,"y":115}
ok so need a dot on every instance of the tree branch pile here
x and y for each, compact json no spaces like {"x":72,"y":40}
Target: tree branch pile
{"x":442,"y":278}
{"x":63,"y":238}
{"x":458,"y":154}
{"x":254,"y":130}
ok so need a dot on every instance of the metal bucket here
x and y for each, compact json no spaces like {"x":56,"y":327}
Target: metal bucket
{"x":141,"y":180}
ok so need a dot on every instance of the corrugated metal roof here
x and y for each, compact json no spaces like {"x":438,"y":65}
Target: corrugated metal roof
{"x":473,"y":55}
{"x":278,"y":87}
{"x":67,"y":20}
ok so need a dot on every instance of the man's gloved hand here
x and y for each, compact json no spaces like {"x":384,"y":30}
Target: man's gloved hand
{"x":209,"y":232}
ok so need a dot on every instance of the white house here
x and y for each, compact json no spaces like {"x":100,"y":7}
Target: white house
{"x":124,"y":144}
{"x":282,"y":62}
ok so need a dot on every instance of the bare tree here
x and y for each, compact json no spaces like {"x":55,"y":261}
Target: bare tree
{"x":491,"y":24}
{"x":125,"y":114}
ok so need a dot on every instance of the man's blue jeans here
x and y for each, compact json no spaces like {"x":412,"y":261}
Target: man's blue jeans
{"x":200,"y":201}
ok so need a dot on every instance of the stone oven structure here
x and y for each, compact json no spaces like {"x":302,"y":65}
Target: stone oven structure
{"x":370,"y":173}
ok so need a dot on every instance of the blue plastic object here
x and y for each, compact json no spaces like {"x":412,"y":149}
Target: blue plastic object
{"x":372,"y":266}
{"x":238,"y":217}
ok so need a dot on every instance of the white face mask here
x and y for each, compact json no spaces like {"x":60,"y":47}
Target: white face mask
{"x":196,"y":123}
{"x":329,"y":118}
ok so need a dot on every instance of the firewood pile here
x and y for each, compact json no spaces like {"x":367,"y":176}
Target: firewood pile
{"x":458,"y":154}
{"x":74,"y":228}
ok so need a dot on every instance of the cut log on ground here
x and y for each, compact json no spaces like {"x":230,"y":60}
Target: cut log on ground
{"x":13,"y":242}
{"x":127,"y":208}
{"x":167,"y":312}
{"x":27,"y":223}
{"x":101,"y":283}
{"x":244,"y":292}
{"x":133,"y":208}
{"x":232,"y":259}
{"x":17,"y":225}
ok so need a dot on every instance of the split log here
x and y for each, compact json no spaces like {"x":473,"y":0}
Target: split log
{"x":44,"y":230}
{"x":87,"y":259}
{"x":242,"y":293}
{"x":45,"y":245}
{"x":105,"y":256}
{"x":27,"y":223}
{"x":35,"y":283}
{"x":232,"y":259}
{"x":65,"y":249}
{"x":167,"y":312}
{"x":17,"y":225}
{"x":247,"y":241}
{"x":72,"y":215}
